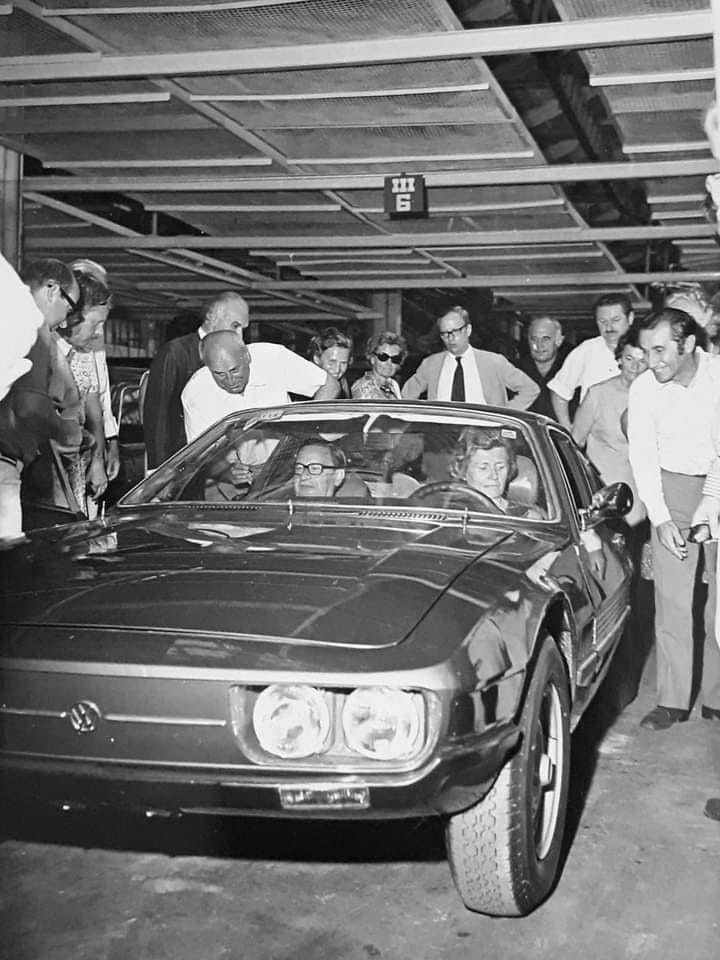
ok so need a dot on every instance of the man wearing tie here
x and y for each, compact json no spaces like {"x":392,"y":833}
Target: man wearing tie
{"x":464,"y":374}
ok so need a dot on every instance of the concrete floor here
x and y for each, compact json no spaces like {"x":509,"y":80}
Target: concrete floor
{"x":641,"y":877}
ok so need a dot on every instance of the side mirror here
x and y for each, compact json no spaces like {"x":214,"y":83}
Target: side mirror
{"x":610,"y":503}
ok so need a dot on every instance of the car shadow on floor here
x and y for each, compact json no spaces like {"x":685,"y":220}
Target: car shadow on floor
{"x":620,"y":687}
{"x":327,"y":841}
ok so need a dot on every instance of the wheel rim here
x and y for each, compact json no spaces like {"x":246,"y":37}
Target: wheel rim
{"x":549,"y":755}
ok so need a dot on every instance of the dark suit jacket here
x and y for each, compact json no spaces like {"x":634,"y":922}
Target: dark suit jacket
{"x":163,"y":423}
{"x":497,"y":375}
{"x":543,"y":402}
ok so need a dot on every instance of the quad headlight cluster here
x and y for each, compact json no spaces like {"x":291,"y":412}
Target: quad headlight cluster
{"x":296,"y":721}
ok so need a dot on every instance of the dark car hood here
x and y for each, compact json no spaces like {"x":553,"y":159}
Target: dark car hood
{"x":156,"y":580}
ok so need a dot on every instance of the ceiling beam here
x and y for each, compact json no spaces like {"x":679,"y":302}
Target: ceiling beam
{"x":134,"y":8}
{"x":557,"y":173}
{"x":689,"y":75}
{"x":336,"y":94}
{"x":581,"y":34}
{"x":85,"y":99}
{"x":585,"y":283}
{"x":475,"y":239}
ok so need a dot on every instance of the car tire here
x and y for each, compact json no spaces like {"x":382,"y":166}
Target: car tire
{"x":504,"y":851}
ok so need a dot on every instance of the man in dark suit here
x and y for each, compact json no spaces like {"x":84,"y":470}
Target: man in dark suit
{"x":174,"y":364}
{"x":546,"y":356}
{"x":464,"y":374}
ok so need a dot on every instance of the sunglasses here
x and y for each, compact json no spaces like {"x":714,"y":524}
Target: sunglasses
{"x":73,"y":304}
{"x":393,"y":357}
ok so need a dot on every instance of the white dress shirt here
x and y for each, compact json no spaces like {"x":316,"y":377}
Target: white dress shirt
{"x":589,"y":363}
{"x":110,"y":424}
{"x":20,"y":320}
{"x":275,"y":372}
{"x":473,"y":386}
{"x":672,"y":427}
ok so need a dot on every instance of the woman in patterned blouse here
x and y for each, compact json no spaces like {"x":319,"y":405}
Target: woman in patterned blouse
{"x":386,"y":353}
{"x":82,"y":328}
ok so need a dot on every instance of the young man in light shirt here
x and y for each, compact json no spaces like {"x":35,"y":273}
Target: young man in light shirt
{"x":593,"y":360}
{"x":671,"y":414}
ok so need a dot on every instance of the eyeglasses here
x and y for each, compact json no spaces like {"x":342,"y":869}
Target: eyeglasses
{"x":73,"y":304}
{"x":449,"y":334}
{"x":392,"y":357}
{"x":314,"y":469}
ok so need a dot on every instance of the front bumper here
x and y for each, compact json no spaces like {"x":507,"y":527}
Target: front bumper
{"x":451,"y":781}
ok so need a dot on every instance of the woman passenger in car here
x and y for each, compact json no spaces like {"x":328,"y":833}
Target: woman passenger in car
{"x":486,"y":460}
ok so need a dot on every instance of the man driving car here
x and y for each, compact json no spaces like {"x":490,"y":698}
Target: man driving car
{"x":319,"y":470}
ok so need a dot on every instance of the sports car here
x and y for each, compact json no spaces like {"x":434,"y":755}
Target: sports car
{"x":329,"y":610}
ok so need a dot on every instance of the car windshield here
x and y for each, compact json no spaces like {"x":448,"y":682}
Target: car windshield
{"x":352,"y":454}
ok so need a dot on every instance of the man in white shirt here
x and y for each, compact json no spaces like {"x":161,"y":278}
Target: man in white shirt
{"x":671,"y":412}
{"x":239,"y":377}
{"x":19,"y":324}
{"x":466,"y":375}
{"x":593,"y":360}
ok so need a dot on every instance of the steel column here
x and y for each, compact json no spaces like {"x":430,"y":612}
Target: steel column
{"x":11,"y":205}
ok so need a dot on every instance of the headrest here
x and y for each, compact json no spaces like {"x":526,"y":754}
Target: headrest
{"x":524,"y":487}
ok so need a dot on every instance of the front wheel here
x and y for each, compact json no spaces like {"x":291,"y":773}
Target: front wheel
{"x":504,"y":851}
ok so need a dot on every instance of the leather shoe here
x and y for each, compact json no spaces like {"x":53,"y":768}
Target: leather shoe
{"x":712,"y":808}
{"x":663,"y":717}
{"x":709,"y":713}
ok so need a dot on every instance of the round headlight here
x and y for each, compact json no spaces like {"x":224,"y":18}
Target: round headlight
{"x":291,"y":721}
{"x":382,"y":723}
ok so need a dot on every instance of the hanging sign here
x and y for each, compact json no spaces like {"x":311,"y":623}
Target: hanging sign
{"x":405,"y":196}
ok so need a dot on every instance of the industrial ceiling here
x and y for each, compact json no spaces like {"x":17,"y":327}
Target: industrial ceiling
{"x":197,"y":145}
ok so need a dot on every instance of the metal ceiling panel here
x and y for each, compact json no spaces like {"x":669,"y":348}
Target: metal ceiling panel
{"x":22,"y":36}
{"x":649,"y":58}
{"x":576,"y":9}
{"x":340,"y":80}
{"x":279,"y":25}
{"x":470,"y":107}
{"x":373,"y":119}
{"x":641,"y":98}
{"x":401,"y":142}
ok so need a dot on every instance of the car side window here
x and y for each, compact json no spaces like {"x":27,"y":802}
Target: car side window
{"x":577,"y":478}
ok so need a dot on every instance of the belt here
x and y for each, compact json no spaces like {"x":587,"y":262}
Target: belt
{"x":690,"y":476}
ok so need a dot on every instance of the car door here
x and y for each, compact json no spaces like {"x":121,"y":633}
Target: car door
{"x":605,"y":566}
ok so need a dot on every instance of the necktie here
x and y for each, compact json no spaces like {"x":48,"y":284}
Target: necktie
{"x":458,"y":384}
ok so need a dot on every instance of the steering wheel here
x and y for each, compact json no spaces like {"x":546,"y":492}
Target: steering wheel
{"x":454,"y":486}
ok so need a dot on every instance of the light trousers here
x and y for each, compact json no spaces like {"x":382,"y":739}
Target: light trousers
{"x":675,"y":591}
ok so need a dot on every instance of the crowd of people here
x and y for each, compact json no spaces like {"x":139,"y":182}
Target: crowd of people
{"x":648,"y":415}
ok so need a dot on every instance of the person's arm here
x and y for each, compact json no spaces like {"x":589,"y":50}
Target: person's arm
{"x":519,"y":383}
{"x":417,"y":384}
{"x":564,"y":384}
{"x":110,"y":424}
{"x":708,"y":510}
{"x":94,"y":422}
{"x":329,"y":390}
{"x":562,"y":410}
{"x":298,"y":375}
{"x":585,"y":418}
